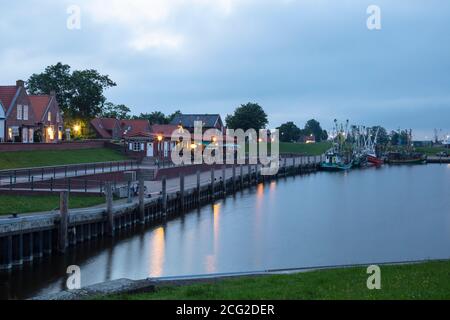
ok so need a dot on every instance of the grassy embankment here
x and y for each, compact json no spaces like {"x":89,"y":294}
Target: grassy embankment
{"x":432,"y":151}
{"x":30,"y":159}
{"x":10,"y":204}
{"x":314,"y":149}
{"x":430,"y":280}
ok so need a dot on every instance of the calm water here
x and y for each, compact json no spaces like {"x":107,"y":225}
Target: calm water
{"x":390,"y":214}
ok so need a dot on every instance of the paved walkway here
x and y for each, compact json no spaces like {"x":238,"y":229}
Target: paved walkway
{"x":154,"y":188}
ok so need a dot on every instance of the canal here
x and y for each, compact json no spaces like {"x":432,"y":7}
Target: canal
{"x":390,"y":214}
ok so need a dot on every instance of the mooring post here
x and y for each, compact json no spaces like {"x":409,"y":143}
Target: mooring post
{"x":256,"y":174}
{"x":242,"y":176}
{"x":182,"y":191}
{"x":198,"y":187}
{"x":224,"y":178}
{"x":64,"y":221}
{"x":109,"y":209}
{"x":141,"y":199}
{"x":6,"y":250}
{"x":164,"y":195}
{"x":249,"y":168}
{"x":234,"y":178}
{"x":212,"y":183}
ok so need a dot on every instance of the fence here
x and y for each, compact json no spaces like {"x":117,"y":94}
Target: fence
{"x":47,"y":174}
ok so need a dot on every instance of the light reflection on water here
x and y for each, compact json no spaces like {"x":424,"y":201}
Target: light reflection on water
{"x":376,"y":215}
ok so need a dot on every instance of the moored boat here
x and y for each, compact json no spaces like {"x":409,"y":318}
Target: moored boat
{"x":406,"y":158}
{"x":334,"y":162}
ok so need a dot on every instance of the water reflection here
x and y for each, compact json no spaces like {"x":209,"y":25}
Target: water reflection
{"x":157,"y":253}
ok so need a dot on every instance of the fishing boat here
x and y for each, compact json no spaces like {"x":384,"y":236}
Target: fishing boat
{"x":406,"y":158}
{"x":335,"y":159}
{"x":334,"y":162}
{"x":407,"y":155}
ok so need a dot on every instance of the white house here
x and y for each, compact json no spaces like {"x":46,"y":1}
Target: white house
{"x":2,"y":123}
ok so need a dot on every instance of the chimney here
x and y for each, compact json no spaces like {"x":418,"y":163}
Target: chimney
{"x":20,"y":83}
{"x":53,"y":93}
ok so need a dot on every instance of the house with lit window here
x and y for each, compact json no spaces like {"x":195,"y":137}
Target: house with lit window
{"x":156,"y":143}
{"x":49,"y":121}
{"x":19,"y":122}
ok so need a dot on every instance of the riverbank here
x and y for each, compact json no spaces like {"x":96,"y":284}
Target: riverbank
{"x":428,"y":280}
{"x":10,"y":204}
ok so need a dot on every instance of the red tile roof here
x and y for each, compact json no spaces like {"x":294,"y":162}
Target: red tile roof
{"x":163,"y":129}
{"x":39,"y":105}
{"x":133,"y":127}
{"x":104,"y":126}
{"x":7,"y":94}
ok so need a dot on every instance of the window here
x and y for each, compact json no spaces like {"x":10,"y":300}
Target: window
{"x":19,"y":112}
{"x":25,"y":112}
{"x":49,"y":116}
{"x":136,"y":146}
{"x":57,"y":117}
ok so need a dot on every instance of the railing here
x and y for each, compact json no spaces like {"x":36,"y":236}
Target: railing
{"x":18,"y":176}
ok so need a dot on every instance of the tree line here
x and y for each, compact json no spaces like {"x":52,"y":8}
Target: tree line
{"x":80,"y":94}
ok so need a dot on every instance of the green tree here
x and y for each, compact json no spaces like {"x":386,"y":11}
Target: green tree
{"x":383,"y":137}
{"x":289,"y":132}
{"x":173,"y":115}
{"x":155,"y":117}
{"x":55,"y":78}
{"x":80,"y":93}
{"x":313,"y":127}
{"x":248,"y":116}
{"x":120,"y":111}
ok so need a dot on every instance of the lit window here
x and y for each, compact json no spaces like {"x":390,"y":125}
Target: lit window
{"x":49,"y":116}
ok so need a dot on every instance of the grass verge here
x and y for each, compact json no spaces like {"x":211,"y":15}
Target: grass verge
{"x":30,"y":159}
{"x":10,"y":204}
{"x":429,"y":280}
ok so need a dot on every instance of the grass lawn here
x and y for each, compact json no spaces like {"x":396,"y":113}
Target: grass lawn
{"x":26,"y":204}
{"x":314,"y":149}
{"x":431,"y":151}
{"x":29,"y":159}
{"x":430,"y":280}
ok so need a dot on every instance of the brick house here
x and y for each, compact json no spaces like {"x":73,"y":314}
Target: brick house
{"x":20,"y":121}
{"x":49,"y":121}
{"x":155,"y":144}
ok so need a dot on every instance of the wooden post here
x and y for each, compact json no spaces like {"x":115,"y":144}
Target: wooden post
{"x":109,"y":209}
{"x":212,"y":182}
{"x":141,"y":199}
{"x":64,"y":221}
{"x":182,"y":191}
{"x":242,"y":176}
{"x":198,"y":187}
{"x":164,"y":195}
{"x":234,"y":178}
{"x":249,"y":168}
{"x":6,"y":249}
{"x":224,"y":178}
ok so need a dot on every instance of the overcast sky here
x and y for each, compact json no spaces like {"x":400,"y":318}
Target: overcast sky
{"x":299,"y":59}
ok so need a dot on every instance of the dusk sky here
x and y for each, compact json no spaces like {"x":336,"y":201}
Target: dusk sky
{"x":298,"y":59}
